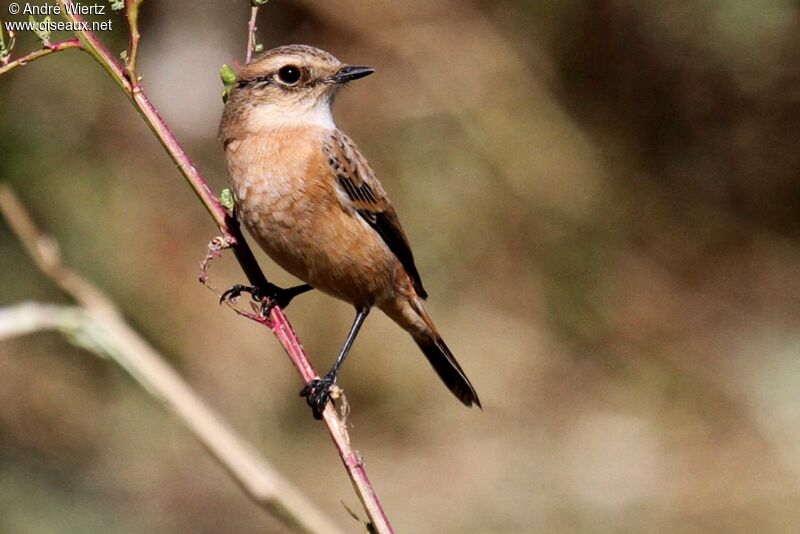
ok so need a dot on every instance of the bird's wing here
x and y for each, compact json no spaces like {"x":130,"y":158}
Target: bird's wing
{"x":362,"y":193}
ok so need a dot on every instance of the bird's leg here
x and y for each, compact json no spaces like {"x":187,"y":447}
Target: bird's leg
{"x":262,"y":290}
{"x":281,"y":297}
{"x":276,"y":296}
{"x":318,"y":390}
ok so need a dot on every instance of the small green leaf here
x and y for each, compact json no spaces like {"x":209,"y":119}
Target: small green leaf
{"x":258,"y":47}
{"x":41,"y":29}
{"x":226,"y":199}
{"x":227,"y":74}
{"x":117,"y":5}
{"x":123,"y":55}
{"x":228,"y":77}
{"x":5,"y":48}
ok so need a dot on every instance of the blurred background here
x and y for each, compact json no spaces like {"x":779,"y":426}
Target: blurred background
{"x":603,"y":200}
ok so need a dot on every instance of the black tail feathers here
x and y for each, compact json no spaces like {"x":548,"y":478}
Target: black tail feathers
{"x":446,"y":366}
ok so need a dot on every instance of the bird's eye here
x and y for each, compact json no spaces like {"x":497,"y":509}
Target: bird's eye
{"x":289,"y":74}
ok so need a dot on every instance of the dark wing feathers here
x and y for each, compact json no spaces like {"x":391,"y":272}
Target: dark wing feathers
{"x":369,"y":200}
{"x":388,"y":227}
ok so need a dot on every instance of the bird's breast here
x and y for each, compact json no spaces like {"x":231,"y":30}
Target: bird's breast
{"x":273,"y":185}
{"x":285,"y":196}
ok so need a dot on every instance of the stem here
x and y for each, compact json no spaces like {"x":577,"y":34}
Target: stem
{"x":103,"y":56}
{"x":103,"y":331}
{"x":337,"y":428}
{"x":44,"y":51}
{"x":132,"y":14}
{"x":279,"y":325}
{"x":251,"y":34}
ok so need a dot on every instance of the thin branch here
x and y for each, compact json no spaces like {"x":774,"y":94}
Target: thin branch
{"x":30,"y":317}
{"x":36,"y":54}
{"x":231,"y":235}
{"x":132,"y":15}
{"x":47,"y":256}
{"x":98,"y":327}
{"x":251,"y":29}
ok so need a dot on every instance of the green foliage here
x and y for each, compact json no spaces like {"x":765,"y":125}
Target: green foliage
{"x":5,"y":48}
{"x":117,"y":5}
{"x":226,"y":199}
{"x":228,"y":77}
{"x":41,"y":29}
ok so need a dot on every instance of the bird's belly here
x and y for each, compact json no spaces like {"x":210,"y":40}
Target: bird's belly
{"x":312,"y":237}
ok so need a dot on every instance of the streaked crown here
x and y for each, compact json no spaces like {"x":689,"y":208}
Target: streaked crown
{"x":288,"y":86}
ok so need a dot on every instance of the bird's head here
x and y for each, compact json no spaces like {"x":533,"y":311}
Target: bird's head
{"x":290,"y":86}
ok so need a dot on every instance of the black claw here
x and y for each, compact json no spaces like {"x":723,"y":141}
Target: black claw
{"x":281,"y":297}
{"x":317,"y":392}
{"x":237,"y":290}
{"x":275,"y":296}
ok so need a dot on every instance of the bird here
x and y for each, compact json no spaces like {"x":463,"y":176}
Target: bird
{"x":310,"y":199}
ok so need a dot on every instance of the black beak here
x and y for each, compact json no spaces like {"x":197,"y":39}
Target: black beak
{"x":349,"y":73}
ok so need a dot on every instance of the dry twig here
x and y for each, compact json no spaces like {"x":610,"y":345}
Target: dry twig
{"x":97,"y":325}
{"x":36,"y":54}
{"x":125,"y":78}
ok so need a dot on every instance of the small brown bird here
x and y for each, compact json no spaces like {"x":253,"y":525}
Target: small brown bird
{"x":310,"y":199}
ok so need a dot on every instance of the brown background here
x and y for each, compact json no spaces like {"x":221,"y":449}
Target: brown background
{"x":603,"y":200}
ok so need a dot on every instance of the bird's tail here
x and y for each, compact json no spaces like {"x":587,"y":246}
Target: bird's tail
{"x":433,"y":346}
{"x":446,"y":366}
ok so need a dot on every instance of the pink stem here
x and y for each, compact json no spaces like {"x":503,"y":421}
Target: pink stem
{"x":337,"y":429}
{"x":251,"y":34}
{"x":279,"y":324}
{"x":44,"y":51}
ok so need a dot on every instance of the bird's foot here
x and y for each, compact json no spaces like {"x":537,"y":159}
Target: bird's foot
{"x":281,"y":297}
{"x":317,"y":393}
{"x":236,"y":291}
{"x":270,"y":296}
